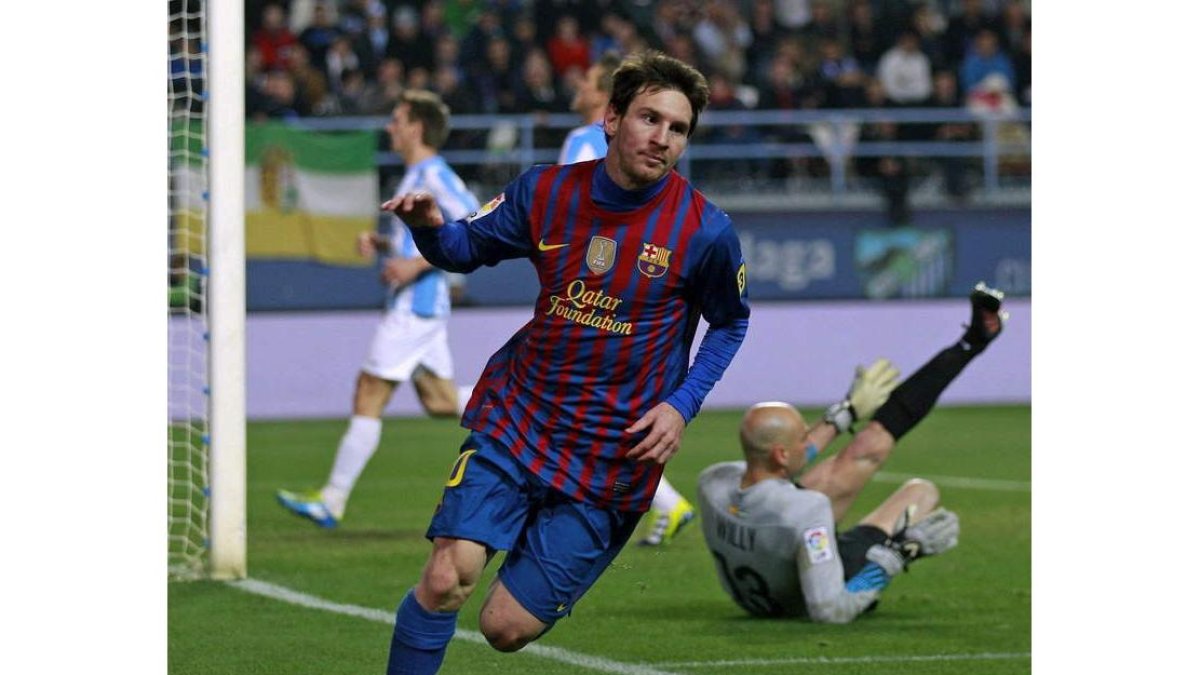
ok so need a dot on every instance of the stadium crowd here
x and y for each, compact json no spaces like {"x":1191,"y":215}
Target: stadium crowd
{"x":313,"y":58}
{"x":354,"y":57}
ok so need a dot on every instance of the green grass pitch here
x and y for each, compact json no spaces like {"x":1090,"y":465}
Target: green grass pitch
{"x":661,"y":609}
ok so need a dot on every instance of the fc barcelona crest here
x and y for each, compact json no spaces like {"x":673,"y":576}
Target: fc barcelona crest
{"x":654,"y":260}
{"x":601,"y":253}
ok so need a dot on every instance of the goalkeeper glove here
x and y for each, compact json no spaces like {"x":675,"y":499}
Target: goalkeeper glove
{"x":933,"y":534}
{"x":869,"y":390}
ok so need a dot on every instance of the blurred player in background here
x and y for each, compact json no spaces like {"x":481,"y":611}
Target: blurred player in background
{"x":670,"y":511}
{"x":576,"y":414}
{"x":774,"y":541}
{"x":587,"y":142}
{"x":411,"y":341}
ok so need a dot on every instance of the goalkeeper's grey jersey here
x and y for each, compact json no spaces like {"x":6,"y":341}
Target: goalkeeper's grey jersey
{"x":775,"y":547}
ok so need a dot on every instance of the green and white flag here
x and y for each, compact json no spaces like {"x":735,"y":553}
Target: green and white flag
{"x":308,"y":194}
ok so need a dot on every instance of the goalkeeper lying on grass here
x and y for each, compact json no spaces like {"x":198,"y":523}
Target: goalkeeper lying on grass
{"x":773,"y":540}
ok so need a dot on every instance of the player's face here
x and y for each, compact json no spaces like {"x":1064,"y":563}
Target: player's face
{"x":587,"y":98}
{"x":648,"y":139}
{"x":797,"y":455}
{"x":401,"y":129}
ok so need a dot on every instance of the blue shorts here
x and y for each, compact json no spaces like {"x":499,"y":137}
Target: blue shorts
{"x":557,"y":547}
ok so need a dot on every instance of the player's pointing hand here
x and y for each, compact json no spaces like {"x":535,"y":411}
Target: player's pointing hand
{"x":416,"y":209}
{"x":666,"y":430}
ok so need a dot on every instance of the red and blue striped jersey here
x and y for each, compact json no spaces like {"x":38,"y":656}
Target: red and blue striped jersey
{"x":624,"y":278}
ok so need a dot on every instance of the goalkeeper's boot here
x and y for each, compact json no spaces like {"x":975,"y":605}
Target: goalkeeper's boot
{"x":308,"y":505}
{"x":987,"y":319}
{"x":667,"y":524}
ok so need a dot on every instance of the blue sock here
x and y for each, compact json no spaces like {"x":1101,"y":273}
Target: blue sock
{"x":420,"y":639}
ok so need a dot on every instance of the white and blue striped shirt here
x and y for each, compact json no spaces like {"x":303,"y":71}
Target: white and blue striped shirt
{"x":583,"y":144}
{"x":429,"y":295}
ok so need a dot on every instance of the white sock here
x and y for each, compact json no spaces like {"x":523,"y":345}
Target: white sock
{"x":358,"y":444}
{"x":464,"y":395}
{"x":666,"y":497}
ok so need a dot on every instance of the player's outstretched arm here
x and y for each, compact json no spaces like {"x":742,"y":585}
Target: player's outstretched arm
{"x":869,"y":390}
{"x":400,"y":272}
{"x":416,"y":209}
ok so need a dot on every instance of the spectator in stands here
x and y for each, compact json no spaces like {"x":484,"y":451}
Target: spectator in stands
{"x":766,"y":32}
{"x":473,"y":50}
{"x":681,"y":46}
{"x":892,"y":17}
{"x":568,"y":48}
{"x":372,"y":45}
{"x":1015,"y":24}
{"x":340,"y":57}
{"x":257,"y":102}
{"x":524,"y":38}
{"x":930,"y":28}
{"x":510,"y":11}
{"x":786,"y":89}
{"x":407,"y":43}
{"x":319,"y":34}
{"x":418,"y":78}
{"x":281,"y":96}
{"x":350,"y":96}
{"x":867,"y":40}
{"x":433,"y":20}
{"x":605,"y":39}
{"x":383,"y":94}
{"x":630,"y":39}
{"x":839,"y":76}
{"x":311,"y":87}
{"x":448,"y":84}
{"x":548,"y":13}
{"x":905,"y":72}
{"x":496,"y":79}
{"x":354,"y":15}
{"x":359,"y":21}
{"x":460,"y":16}
{"x":955,"y":170}
{"x":1023,"y":67}
{"x":823,"y":26}
{"x":537,"y":92}
{"x":723,"y":36}
{"x":723,"y":97}
{"x":964,"y":27}
{"x":671,"y":19}
{"x":273,"y":37}
{"x":446,"y":54}
{"x":793,"y":14}
{"x":985,"y":59}
{"x":890,"y":174}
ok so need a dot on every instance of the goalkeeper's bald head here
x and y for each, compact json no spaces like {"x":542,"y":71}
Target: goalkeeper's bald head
{"x":772,"y":436}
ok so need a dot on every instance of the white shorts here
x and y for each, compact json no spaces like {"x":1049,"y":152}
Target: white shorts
{"x":404,"y":341}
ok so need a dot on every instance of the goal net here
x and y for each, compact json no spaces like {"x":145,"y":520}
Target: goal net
{"x":205,"y":488}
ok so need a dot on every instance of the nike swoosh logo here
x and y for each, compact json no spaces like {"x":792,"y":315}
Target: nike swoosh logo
{"x":543,"y":246}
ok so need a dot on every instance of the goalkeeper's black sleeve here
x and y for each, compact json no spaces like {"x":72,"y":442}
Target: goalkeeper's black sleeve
{"x":915,"y":396}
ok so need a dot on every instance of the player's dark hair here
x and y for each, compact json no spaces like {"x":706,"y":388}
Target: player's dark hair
{"x":654,"y":71}
{"x":434,"y":115}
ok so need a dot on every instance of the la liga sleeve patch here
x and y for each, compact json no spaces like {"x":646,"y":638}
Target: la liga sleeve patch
{"x":818,"y":545}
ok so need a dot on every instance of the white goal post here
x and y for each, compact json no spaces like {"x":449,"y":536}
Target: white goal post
{"x":206,"y":438}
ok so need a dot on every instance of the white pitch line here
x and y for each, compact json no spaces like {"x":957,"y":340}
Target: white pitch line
{"x":837,"y":660}
{"x":285,"y":594}
{"x":959,"y":482}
